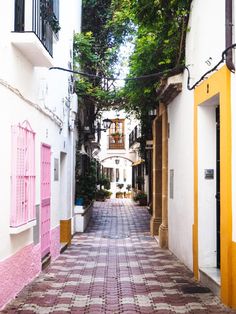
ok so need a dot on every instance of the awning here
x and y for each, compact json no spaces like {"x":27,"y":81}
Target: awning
{"x":136,"y":163}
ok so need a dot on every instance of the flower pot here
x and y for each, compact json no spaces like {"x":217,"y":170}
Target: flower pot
{"x":143,"y":202}
{"x":119,"y":195}
{"x":79,"y":201}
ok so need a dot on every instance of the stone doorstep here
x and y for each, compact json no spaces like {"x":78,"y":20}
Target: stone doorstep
{"x":210,"y":277}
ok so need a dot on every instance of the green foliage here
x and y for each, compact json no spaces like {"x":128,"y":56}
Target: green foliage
{"x":140,"y":196}
{"x":120,"y":185}
{"x":128,"y":187}
{"x":104,"y":181}
{"x":96,"y":52}
{"x":102,"y":194}
{"x":159,"y":46}
{"x":157,"y":29}
{"x":86,"y":184}
{"x":47,"y":14}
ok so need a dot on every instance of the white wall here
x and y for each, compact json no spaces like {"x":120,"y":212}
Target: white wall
{"x":206,"y":36}
{"x":205,"y":42}
{"x":180,"y":152}
{"x":27,"y":92}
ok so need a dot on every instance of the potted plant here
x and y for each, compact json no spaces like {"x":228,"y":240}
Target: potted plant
{"x":100,"y":195}
{"x":141,"y":198}
{"x":119,"y":194}
{"x":105,"y":182}
{"x":116,"y":136}
{"x":120,"y":185}
{"x":79,"y":201}
{"x":128,"y":188}
{"x":86,"y":185}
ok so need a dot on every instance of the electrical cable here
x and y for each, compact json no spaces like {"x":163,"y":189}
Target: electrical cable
{"x":223,"y":55}
{"x":119,"y":79}
{"x":158,"y":74}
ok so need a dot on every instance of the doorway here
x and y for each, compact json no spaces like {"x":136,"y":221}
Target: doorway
{"x":209,"y":185}
{"x":217,"y":187}
{"x":45,"y":199}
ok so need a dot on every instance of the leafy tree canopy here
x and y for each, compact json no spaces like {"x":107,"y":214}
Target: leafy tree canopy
{"x":157,"y":29}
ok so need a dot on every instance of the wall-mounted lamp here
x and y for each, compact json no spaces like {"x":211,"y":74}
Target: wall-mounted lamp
{"x":117,"y":161}
{"x":106,"y":125}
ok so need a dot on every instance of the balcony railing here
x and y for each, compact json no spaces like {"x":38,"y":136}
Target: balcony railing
{"x":134,"y":135}
{"x":116,"y":142}
{"x":29,"y":18}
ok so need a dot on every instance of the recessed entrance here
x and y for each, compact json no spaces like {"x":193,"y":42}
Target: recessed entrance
{"x":209,"y":187}
{"x":217,"y":187}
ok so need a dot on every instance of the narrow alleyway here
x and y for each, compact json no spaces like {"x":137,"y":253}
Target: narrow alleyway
{"x":116,"y":267}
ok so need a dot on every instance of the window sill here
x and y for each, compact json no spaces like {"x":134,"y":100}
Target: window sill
{"x":16,"y":230}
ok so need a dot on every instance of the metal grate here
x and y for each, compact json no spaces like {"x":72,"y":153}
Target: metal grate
{"x":22,"y":175}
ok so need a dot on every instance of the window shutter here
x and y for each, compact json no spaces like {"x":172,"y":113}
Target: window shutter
{"x":22,"y":175}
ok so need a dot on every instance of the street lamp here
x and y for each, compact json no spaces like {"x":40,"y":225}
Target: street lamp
{"x":106,"y":123}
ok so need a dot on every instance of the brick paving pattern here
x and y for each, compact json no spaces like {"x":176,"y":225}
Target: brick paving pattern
{"x":116,"y":267}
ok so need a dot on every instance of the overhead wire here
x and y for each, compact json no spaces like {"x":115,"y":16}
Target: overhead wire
{"x":152,"y":75}
{"x":223,"y":55}
{"x":117,"y":78}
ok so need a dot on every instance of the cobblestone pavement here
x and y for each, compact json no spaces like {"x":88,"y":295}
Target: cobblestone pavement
{"x":116,"y":267}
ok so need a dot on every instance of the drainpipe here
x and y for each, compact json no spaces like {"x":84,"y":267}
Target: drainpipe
{"x":229,"y":33}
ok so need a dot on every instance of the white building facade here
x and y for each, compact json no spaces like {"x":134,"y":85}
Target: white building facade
{"x":116,"y":154}
{"x":37,"y":126}
{"x":200,"y":208}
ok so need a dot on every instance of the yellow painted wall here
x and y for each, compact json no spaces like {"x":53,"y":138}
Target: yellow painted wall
{"x":233,"y":302}
{"x":218,"y":83}
{"x":65,"y":231}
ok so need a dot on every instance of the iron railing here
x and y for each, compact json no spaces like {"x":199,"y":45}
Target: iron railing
{"x":134,"y":135}
{"x":40,"y":25}
{"x":116,"y":142}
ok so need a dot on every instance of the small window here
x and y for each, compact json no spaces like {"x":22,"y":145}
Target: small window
{"x":22,"y":175}
{"x":19,"y":15}
{"x":117,"y":134}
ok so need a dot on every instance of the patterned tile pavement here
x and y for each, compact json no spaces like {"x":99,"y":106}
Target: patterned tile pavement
{"x":115,"y":267}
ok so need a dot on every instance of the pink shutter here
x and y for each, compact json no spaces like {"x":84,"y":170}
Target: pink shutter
{"x":23,"y":175}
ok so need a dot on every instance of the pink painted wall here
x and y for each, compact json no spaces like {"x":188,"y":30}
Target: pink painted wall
{"x":17,"y":271}
{"x":55,"y":243}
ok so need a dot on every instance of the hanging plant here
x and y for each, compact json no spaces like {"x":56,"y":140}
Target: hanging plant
{"x":47,"y":14}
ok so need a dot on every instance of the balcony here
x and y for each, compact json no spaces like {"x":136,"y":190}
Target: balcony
{"x":33,"y":34}
{"x":134,"y":136}
{"x":116,"y":142}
